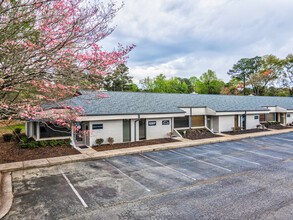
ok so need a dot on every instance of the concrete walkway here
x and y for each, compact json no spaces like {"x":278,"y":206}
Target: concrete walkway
{"x":6,"y":195}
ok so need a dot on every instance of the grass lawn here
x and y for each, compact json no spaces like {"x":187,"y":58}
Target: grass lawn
{"x":10,"y":128}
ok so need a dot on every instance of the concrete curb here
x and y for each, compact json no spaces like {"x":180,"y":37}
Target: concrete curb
{"x":9,"y":167}
{"x":6,"y":195}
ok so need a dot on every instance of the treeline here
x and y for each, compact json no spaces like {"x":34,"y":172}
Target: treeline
{"x":261,"y":76}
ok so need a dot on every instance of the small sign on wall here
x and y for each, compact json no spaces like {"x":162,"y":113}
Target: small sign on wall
{"x":166,"y":122}
{"x":152,"y":123}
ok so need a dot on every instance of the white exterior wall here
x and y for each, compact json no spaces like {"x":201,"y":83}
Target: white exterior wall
{"x":110,"y":129}
{"x":158,"y":131}
{"x":29,"y":128}
{"x":251,"y":123}
{"x":226,"y":123}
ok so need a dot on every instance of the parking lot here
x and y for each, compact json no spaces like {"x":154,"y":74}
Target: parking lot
{"x":251,"y":178}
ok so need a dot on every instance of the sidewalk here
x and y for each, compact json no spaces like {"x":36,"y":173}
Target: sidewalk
{"x":90,"y":154}
{"x":6,"y":195}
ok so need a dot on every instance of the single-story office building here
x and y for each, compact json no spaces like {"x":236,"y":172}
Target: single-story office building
{"x":135,"y":116}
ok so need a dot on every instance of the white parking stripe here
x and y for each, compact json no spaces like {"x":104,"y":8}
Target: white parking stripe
{"x":281,"y":147}
{"x":138,"y":183}
{"x":225,"y":155}
{"x":167,"y":167}
{"x":201,"y":161}
{"x":241,"y":159}
{"x":286,"y":139}
{"x":74,"y":190}
{"x":279,"y":158}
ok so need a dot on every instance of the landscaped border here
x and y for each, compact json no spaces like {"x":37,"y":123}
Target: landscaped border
{"x":127,"y":151}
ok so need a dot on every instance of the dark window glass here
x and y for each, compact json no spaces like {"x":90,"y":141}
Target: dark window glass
{"x":48,"y":130}
{"x":126,"y":130}
{"x":181,"y":122}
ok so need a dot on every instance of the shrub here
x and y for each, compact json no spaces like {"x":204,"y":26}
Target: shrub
{"x":43,"y":143}
{"x":170,"y":134}
{"x":24,"y":139}
{"x":53,"y":143}
{"x":17,"y":130}
{"x":21,"y":137}
{"x":99,"y":141}
{"x":237,"y":129}
{"x":67,"y":141}
{"x":61,"y":142}
{"x":32,"y":144}
{"x":7,"y":137}
{"x":110,"y":140}
{"x":23,"y":144}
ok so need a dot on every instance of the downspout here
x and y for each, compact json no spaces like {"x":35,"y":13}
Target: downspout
{"x":190,"y":118}
{"x":138,"y":119}
{"x":245,"y":121}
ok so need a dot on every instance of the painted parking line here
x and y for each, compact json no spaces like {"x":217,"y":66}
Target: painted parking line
{"x":157,"y":162}
{"x":202,"y":161}
{"x":283,"y":139}
{"x":236,"y":158}
{"x":133,"y":180}
{"x":74,"y":190}
{"x":242,"y":159}
{"x":279,"y":158}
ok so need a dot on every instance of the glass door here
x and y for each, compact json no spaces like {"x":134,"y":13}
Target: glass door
{"x":126,"y":130}
{"x":142,"y":129}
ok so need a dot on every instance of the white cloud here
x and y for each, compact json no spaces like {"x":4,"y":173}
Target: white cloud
{"x":185,"y":38}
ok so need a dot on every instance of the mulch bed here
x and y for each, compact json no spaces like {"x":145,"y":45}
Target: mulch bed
{"x":11,"y":152}
{"x":196,"y":134}
{"x":248,"y":131}
{"x":105,"y":147}
{"x":278,"y":127}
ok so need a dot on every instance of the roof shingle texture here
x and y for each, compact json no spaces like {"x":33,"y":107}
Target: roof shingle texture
{"x":117,"y":103}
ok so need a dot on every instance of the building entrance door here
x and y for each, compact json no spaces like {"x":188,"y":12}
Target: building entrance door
{"x":142,"y":129}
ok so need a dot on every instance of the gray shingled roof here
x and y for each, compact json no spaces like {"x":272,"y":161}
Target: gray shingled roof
{"x":151,"y":103}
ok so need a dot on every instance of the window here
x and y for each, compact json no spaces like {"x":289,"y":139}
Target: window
{"x":288,"y":115}
{"x":152,"y":123}
{"x":97,"y":126}
{"x":48,"y":130}
{"x":181,"y":122}
{"x":256,"y":117}
{"x":166,"y":122}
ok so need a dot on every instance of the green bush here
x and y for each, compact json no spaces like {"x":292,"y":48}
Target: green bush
{"x":61,"y":142}
{"x":7,"y":137}
{"x":21,"y":137}
{"x":33,"y":144}
{"x":24,"y":139}
{"x":17,"y":130}
{"x":53,"y":143}
{"x":23,"y":144}
{"x":67,"y":141}
{"x":110,"y":140}
{"x":43,"y":143}
{"x":99,"y":141}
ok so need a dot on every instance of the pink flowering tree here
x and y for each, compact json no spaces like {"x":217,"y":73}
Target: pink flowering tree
{"x":49,"y":50}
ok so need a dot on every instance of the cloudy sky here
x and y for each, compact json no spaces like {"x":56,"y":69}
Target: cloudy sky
{"x":185,"y":38}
